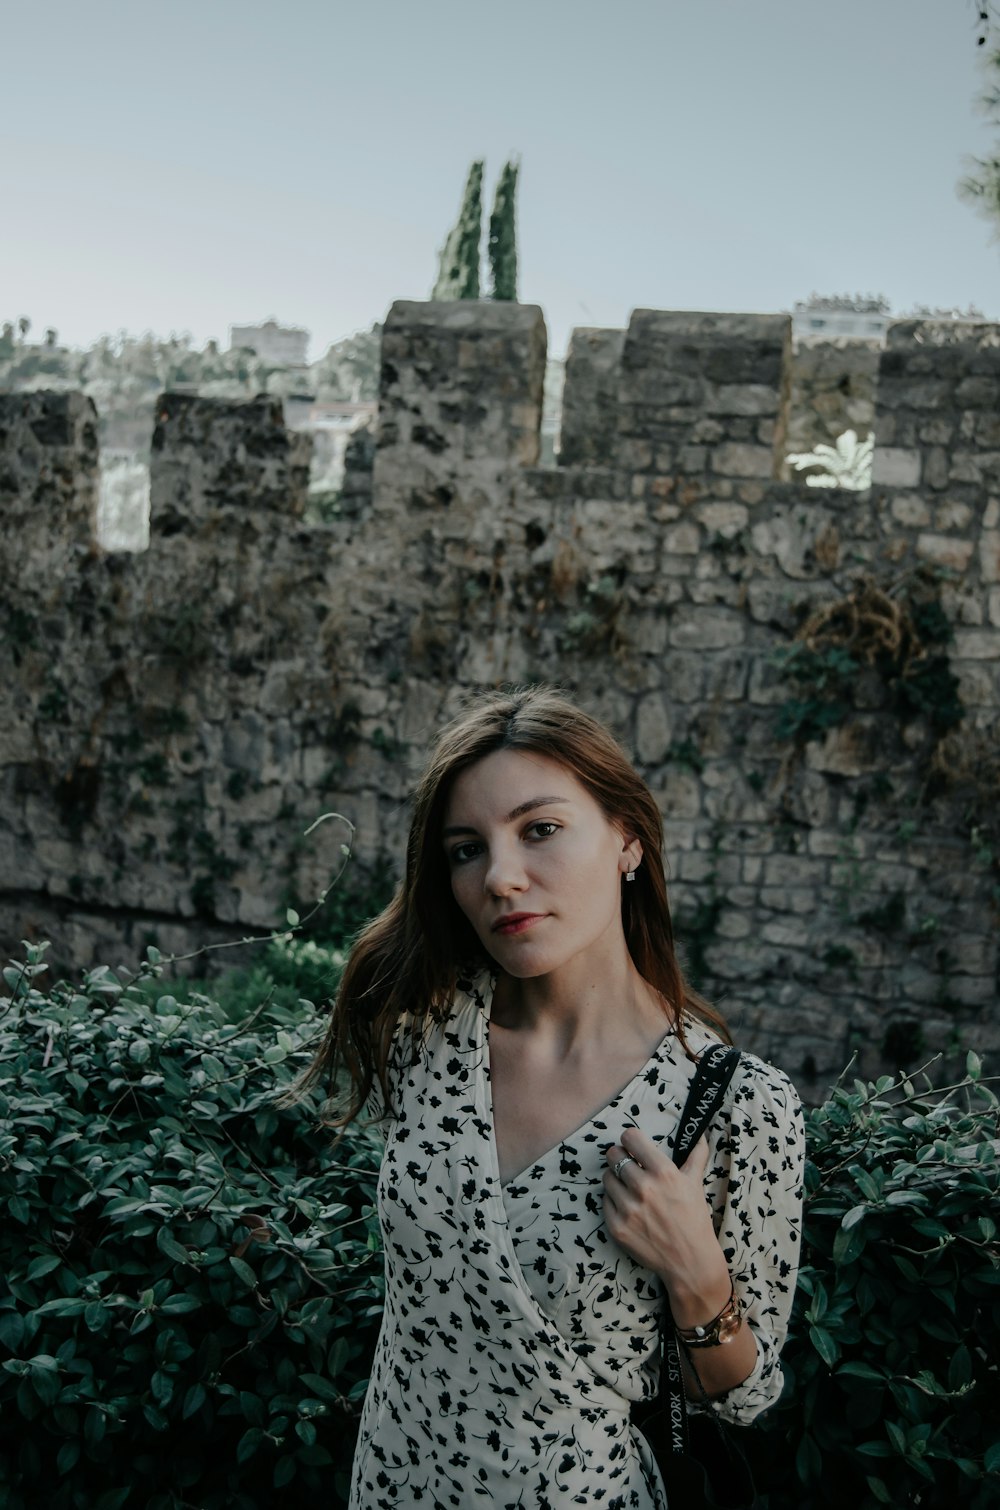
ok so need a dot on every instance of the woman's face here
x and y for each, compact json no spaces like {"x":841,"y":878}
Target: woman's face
{"x":536,"y":867}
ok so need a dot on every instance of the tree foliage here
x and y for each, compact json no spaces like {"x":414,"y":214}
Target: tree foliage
{"x":459,"y":267}
{"x":458,"y":271}
{"x":502,"y":244}
{"x":981,"y":185}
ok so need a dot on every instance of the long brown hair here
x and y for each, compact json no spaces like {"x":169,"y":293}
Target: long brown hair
{"x":408,"y":960}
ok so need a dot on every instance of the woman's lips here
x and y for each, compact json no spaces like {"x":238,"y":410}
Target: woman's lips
{"x":517,"y":922}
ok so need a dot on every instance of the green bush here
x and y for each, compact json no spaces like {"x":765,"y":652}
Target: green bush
{"x":892,"y":1364}
{"x":289,"y":972}
{"x":193,"y":1282}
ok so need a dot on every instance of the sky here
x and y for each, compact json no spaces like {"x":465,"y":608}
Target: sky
{"x":185,"y":167}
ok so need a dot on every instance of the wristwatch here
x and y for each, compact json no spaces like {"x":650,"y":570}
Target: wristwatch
{"x":719,"y":1330}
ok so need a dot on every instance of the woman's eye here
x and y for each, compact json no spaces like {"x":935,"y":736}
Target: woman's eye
{"x":543,"y":829}
{"x":462,"y":853}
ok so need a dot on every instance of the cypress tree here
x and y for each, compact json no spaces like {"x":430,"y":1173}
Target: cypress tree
{"x":503,"y":235}
{"x":458,"y":271}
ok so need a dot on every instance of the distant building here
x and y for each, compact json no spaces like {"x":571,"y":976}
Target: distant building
{"x":841,"y":317}
{"x":861,"y":317}
{"x":281,"y":345}
{"x":331,"y":423}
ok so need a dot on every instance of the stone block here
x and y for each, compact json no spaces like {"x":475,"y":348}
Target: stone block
{"x":707,"y":629}
{"x":678,"y":795}
{"x":896,"y":468}
{"x":850,"y":750}
{"x":682,"y":539}
{"x":978,"y":393}
{"x":653,"y":730}
{"x":952,"y":515}
{"x":795,"y":870}
{"x":781,"y":899}
{"x":784,"y":935}
{"x":945,"y":550}
{"x":683,"y":675}
{"x":910,"y":509}
{"x":751,"y":399}
{"x":734,"y":459}
{"x":976,"y":645}
{"x":989,"y":555}
{"x":733,"y":925}
{"x":723,"y":519}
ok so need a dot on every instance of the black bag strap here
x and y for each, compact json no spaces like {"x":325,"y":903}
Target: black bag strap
{"x":716,"y":1067}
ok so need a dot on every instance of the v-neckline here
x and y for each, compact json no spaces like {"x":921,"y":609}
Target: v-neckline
{"x":487,"y":1017}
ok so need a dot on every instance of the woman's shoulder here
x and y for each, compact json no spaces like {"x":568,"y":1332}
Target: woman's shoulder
{"x":755,"y":1080}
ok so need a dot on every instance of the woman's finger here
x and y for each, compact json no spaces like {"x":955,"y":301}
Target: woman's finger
{"x":641,"y":1147}
{"x":619,"y":1161}
{"x":696,"y":1163}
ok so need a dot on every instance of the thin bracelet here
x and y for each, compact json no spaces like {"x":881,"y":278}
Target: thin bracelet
{"x":720,"y":1330}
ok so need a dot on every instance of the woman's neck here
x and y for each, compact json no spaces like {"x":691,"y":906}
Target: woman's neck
{"x":580,"y":1007}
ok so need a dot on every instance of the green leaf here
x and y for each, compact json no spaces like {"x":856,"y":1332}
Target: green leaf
{"x":824,"y":1344}
{"x":11,"y":1330}
{"x":68,"y":1455}
{"x":63,"y":1305}
{"x":177,"y":1305}
{"x":880,"y":1490}
{"x":95,"y":1316}
{"x":194,"y":1399}
{"x":896,"y":1436}
{"x":113,"y":1499}
{"x":860,"y":1370}
{"x":43,"y":1265}
{"x":321,"y":1387}
{"x":292,"y":918}
{"x":249,"y":1444}
{"x":284,"y":1470}
{"x":973,"y":1065}
{"x":168,"y":1244}
{"x":855,"y":1214}
{"x":241,"y":1268}
{"x":337,"y":1358}
{"x":155,"y":1417}
{"x":991,"y":1458}
{"x":849,"y":1245}
{"x":865,"y":1182}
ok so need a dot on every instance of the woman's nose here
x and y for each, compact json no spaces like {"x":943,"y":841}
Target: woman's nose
{"x":505,"y":873}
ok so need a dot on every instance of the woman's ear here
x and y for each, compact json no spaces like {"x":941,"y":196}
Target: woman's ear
{"x":631,"y":855}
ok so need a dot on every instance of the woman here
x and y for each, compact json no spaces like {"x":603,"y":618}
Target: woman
{"x":519,"y":1017}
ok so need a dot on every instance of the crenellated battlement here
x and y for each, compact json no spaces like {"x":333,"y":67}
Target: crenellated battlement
{"x":176,"y":720}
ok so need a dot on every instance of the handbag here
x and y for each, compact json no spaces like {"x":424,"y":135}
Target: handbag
{"x":703,"y":1465}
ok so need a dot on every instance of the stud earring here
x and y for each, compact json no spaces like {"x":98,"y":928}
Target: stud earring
{"x":630,"y":875}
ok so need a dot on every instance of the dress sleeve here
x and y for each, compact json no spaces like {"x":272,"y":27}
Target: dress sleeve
{"x":755,"y":1182}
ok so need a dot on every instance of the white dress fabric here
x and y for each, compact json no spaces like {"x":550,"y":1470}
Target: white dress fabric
{"x":516,"y":1333}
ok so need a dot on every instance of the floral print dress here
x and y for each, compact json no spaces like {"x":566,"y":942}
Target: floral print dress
{"x":516,"y":1333}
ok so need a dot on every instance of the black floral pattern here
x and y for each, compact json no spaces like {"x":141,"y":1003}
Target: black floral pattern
{"x":517,"y":1333}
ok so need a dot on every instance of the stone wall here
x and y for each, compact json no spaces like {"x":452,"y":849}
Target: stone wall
{"x":832,"y":390}
{"x":176,"y":721}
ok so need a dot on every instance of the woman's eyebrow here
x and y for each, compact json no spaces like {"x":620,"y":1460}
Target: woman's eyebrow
{"x":516,"y":812}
